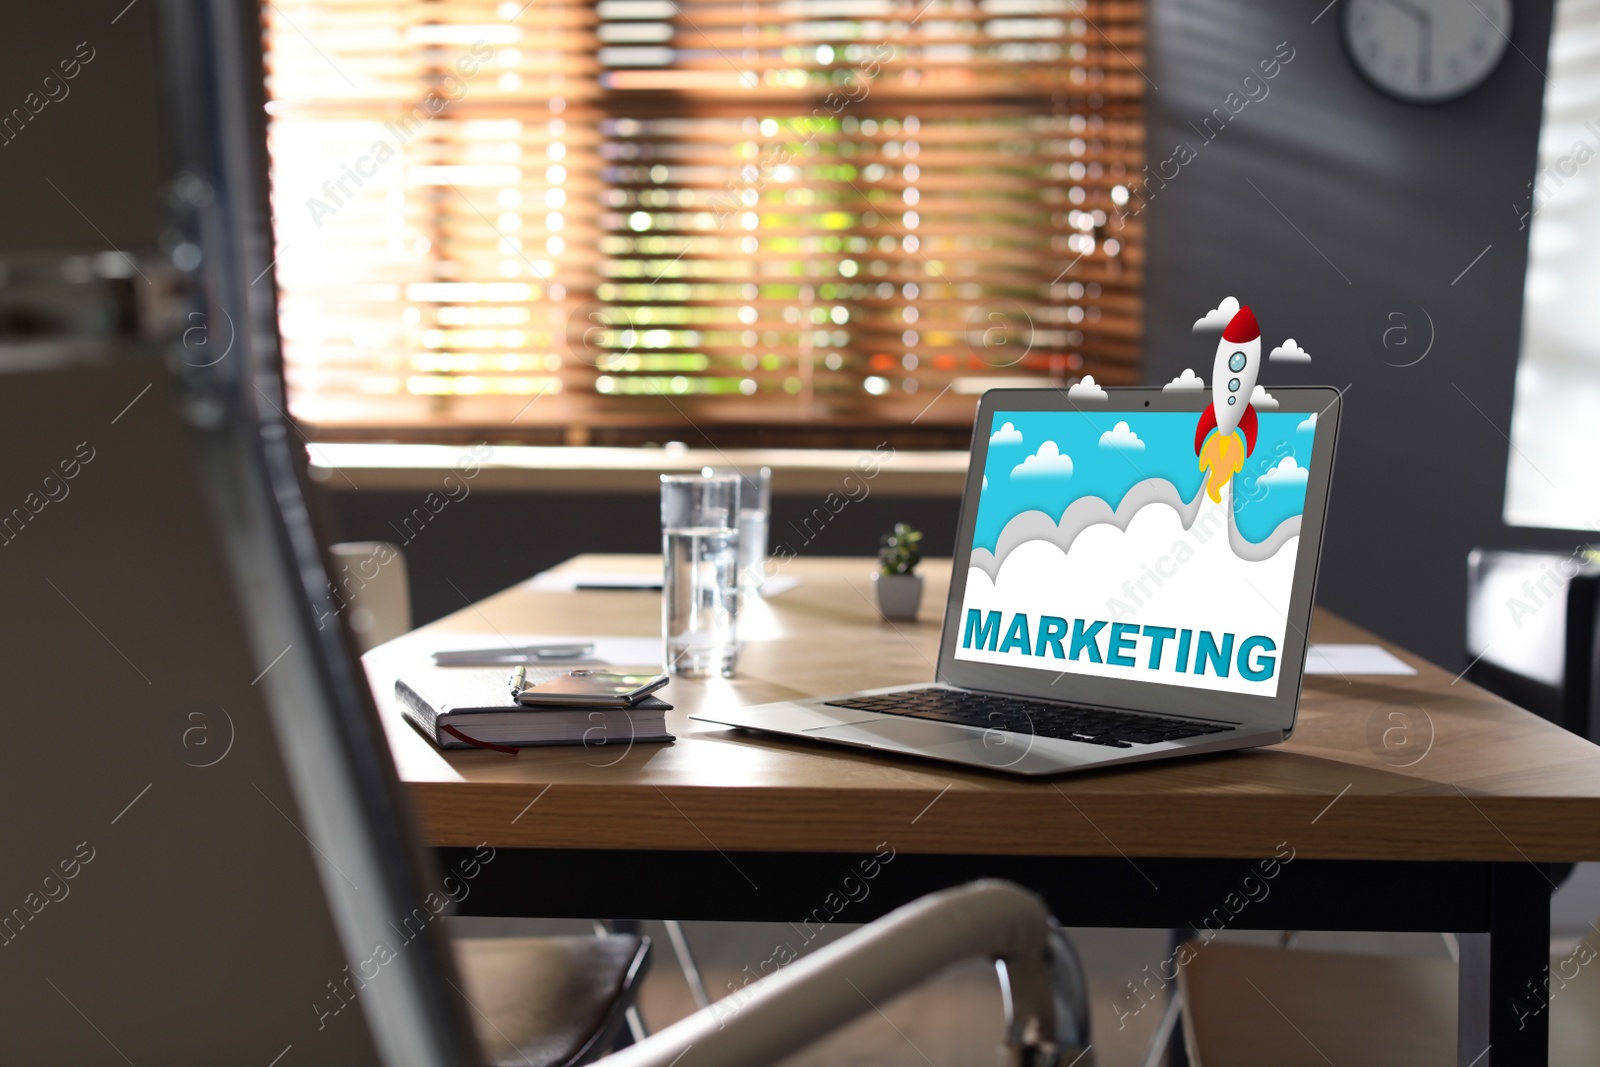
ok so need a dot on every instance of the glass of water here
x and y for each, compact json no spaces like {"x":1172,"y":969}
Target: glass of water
{"x":700,"y":581}
{"x":755,"y":509}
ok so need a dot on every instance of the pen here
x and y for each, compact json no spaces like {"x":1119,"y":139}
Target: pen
{"x":518,"y":678}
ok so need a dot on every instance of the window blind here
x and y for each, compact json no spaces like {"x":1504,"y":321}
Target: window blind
{"x":701,"y":215}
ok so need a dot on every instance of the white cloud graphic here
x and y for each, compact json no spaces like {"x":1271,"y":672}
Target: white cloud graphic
{"x":1287,"y":472}
{"x":1006,"y":435}
{"x":1187,"y":380}
{"x":1122,"y":438}
{"x":1218,"y":317}
{"x":1087,"y":390}
{"x":1309,"y":424}
{"x":1263,"y":399}
{"x":1047,"y":462}
{"x":1289,"y":352}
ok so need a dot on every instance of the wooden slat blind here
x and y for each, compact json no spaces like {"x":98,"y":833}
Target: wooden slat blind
{"x":717,"y":213}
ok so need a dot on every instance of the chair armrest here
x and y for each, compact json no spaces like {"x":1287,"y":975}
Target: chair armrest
{"x":782,"y":1013}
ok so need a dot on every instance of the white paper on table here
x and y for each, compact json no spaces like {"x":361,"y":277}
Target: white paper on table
{"x":1354,"y":659}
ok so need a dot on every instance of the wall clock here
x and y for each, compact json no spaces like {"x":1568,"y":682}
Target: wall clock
{"x":1427,"y":51}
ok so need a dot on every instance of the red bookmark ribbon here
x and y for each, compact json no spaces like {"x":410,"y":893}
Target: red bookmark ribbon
{"x":475,"y":743}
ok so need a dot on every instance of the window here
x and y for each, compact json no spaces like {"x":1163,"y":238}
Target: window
{"x":700,"y":217}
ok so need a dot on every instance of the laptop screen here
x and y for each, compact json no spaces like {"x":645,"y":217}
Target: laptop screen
{"x":1137,"y":546}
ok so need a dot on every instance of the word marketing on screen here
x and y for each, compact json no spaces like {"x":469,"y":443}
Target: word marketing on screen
{"x":1122,"y":644}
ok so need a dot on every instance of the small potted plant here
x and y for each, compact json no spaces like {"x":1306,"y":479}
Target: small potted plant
{"x":899,"y":586}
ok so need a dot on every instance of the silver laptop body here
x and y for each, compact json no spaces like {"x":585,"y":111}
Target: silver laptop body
{"x":1097,"y":581}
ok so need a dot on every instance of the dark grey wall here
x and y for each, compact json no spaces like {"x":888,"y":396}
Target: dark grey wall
{"x":94,"y":136}
{"x":1376,"y":207}
{"x":488,"y":541}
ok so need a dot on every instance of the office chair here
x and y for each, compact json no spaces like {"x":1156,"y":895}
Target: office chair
{"x":1533,"y":632}
{"x":370,"y":578}
{"x":1251,"y":1005}
{"x":551,"y":1001}
{"x":1533,"y":637}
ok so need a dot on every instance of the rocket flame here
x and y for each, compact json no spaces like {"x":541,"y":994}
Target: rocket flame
{"x":1221,"y":457}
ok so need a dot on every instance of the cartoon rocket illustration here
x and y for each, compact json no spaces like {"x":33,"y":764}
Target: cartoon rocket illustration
{"x":1233,"y":380}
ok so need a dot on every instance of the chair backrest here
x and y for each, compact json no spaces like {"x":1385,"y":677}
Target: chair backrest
{"x":207,"y":845}
{"x":1533,"y":620}
{"x":198,"y":854}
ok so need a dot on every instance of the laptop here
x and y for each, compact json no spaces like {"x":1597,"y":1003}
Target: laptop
{"x":1132,"y":581}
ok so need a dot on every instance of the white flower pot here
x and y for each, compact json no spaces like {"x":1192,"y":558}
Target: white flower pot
{"x":899,"y":595}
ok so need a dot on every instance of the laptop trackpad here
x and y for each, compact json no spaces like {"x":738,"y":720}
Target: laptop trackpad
{"x":900,"y":733}
{"x":994,"y":749}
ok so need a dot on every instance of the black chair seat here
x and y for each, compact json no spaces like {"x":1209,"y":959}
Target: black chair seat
{"x":550,"y":1001}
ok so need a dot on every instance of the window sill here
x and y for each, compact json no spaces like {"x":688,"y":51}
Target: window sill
{"x":388,"y":467}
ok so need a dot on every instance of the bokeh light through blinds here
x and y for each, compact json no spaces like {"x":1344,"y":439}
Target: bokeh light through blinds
{"x":648,"y":213}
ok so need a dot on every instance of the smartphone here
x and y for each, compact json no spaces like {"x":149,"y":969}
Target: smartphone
{"x":601,"y":689}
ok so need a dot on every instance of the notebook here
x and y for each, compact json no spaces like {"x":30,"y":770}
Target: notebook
{"x":474,"y":709}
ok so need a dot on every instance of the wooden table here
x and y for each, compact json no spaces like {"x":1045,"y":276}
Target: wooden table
{"x":1406,"y":803}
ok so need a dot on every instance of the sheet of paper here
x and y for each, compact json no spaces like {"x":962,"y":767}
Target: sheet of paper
{"x":1354,"y":659}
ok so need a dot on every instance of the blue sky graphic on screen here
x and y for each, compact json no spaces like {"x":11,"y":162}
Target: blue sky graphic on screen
{"x":1098,"y":549}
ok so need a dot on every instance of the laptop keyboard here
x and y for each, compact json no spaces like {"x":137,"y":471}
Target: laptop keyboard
{"x":1038,"y":718}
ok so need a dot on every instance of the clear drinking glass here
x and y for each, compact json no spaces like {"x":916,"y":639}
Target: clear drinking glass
{"x":755,"y":509}
{"x":700,"y":581}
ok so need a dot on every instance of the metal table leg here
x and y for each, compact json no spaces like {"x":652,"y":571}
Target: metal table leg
{"x":1504,"y":1018}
